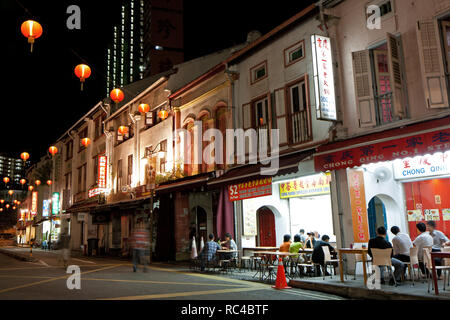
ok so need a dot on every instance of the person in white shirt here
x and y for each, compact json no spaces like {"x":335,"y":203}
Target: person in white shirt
{"x":401,"y":244}
{"x":439,"y":240}
{"x":423,"y":240}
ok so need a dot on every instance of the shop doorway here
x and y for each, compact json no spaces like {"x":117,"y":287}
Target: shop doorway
{"x":377,"y":216}
{"x":201,"y":219}
{"x":266,"y":228}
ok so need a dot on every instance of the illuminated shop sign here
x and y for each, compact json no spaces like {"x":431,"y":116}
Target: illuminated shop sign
{"x":250,"y":189}
{"x":34,"y":203}
{"x":422,"y":166}
{"x":45,"y":208}
{"x":102,"y":169}
{"x":306,"y":186}
{"x":323,"y":78}
{"x":55,"y":203}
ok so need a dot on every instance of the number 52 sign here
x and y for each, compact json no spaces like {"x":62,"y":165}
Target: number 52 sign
{"x":250,"y":189}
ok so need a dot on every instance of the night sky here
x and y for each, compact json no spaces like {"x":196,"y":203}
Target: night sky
{"x":41,"y":96}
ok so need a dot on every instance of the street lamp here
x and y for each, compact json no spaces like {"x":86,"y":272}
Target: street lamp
{"x":152,"y":184}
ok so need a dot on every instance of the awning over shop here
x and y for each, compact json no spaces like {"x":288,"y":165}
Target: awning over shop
{"x":83,"y":206}
{"x":187,"y":183}
{"x":418,"y":139}
{"x":122,"y":205}
{"x":287,"y":164}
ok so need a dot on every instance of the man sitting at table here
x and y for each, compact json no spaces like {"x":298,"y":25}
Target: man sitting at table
{"x":286,"y":243}
{"x":208,"y":253}
{"x":380,"y":242}
{"x":229,"y":244}
{"x":318,"y":256}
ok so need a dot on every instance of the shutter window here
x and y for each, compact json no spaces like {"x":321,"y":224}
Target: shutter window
{"x":432,"y":64}
{"x":246,"y":116}
{"x":362,"y":74}
{"x":395,"y":75}
{"x":280,"y":113}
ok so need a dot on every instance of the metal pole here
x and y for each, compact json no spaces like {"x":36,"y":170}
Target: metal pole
{"x":151,"y":225}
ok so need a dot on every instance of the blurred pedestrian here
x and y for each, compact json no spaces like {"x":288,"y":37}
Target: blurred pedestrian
{"x":65,"y":251}
{"x":140,"y":244}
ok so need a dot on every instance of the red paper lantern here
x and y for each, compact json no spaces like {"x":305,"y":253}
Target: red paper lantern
{"x":53,"y":150}
{"x":144,"y":108}
{"x":163,"y":114}
{"x":31,"y":30}
{"x":49,"y":182}
{"x":14,"y":208}
{"x":1,"y":201}
{"x":37,"y":182}
{"x":30,"y":188}
{"x":18,"y":202}
{"x":24,"y":156}
{"x":1,"y":209}
{"x":10,"y":192}
{"x":123,"y":130}
{"x":23,"y":181}
{"x":7,"y":206}
{"x":83,"y":72}
{"x":85,"y":141}
{"x":5,"y":180}
{"x":116,"y":95}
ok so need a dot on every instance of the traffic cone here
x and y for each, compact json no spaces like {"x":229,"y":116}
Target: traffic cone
{"x":194,"y":249}
{"x":202,"y":244}
{"x":281,"y":283}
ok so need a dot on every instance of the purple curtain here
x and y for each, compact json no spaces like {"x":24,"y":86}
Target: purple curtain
{"x":225,"y":215}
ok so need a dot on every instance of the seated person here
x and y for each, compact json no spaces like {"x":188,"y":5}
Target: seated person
{"x":424,"y":239}
{"x":230,"y":244}
{"x":208,"y":253}
{"x":401,"y":244}
{"x":439,"y":241}
{"x":310,"y":241}
{"x":318,"y":256}
{"x":286,"y":243}
{"x":296,"y":245}
{"x":379,"y":242}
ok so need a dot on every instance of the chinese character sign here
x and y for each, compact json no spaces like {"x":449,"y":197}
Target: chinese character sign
{"x":102,"y":170}
{"x":250,"y":189}
{"x":55,"y":203}
{"x":45,"y":208}
{"x":323,"y":78}
{"x":422,"y":166}
{"x":34,"y":203}
{"x":306,"y":186}
{"x":358,"y":206}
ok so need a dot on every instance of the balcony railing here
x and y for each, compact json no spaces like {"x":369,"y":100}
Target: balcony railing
{"x":299,"y":127}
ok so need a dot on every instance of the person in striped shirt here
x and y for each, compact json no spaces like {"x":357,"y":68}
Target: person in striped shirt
{"x":140,"y":242}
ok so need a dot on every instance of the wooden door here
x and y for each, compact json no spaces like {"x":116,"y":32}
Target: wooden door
{"x":266,"y":221}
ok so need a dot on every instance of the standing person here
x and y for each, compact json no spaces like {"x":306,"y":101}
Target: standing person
{"x":65,"y":251}
{"x":286,"y":243}
{"x":318,"y":255}
{"x":380,"y":242}
{"x":401,"y":244}
{"x":302,"y":236}
{"x":439,"y":240}
{"x":140,"y":243}
{"x":208,"y":253}
{"x":423,"y":240}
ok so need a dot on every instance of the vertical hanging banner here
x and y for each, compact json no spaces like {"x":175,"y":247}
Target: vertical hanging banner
{"x":102,"y":170}
{"x":358,"y":205}
{"x":55,"y":203}
{"x":34,"y":203}
{"x":323,"y":78}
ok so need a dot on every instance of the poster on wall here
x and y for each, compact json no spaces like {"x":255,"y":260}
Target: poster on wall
{"x":432,"y":214}
{"x":249,"y":219}
{"x":306,"y":186}
{"x":446,"y":214}
{"x":358,"y":205}
{"x":415,"y":215}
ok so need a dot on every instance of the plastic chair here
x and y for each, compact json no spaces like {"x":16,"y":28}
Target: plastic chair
{"x":429,"y":267}
{"x":413,"y":262}
{"x":446,"y":262}
{"x":328,"y":260}
{"x":358,"y":258}
{"x":382,"y":258}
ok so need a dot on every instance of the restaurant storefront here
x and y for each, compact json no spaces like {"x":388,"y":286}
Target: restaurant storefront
{"x":396,"y":177}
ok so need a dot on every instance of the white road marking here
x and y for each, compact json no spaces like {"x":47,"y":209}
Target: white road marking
{"x":83,"y":260}
{"x":43,"y":262}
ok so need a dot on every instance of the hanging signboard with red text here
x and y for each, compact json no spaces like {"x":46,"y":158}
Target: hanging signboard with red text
{"x":102,"y":170}
{"x":250,"y":189}
{"x":358,"y":206}
{"x":34,"y":203}
{"x":306,"y":186}
{"x":422,"y":166}
{"x":410,"y":146}
{"x":323,"y":78}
